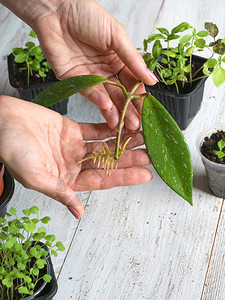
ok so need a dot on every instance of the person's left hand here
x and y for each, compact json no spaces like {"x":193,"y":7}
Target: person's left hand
{"x":41,"y":149}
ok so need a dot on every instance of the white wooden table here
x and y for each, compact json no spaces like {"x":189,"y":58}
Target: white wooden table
{"x":141,"y":242}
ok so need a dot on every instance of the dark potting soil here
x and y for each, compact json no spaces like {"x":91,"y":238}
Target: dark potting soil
{"x":21,"y":76}
{"x":210,"y":144}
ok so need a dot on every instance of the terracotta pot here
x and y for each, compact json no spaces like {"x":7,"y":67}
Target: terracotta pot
{"x":1,"y":178}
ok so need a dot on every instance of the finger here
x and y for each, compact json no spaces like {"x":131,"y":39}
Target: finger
{"x":130,"y":56}
{"x":100,"y":97}
{"x":134,"y":158}
{"x":136,"y":140}
{"x":97,"y":179}
{"x":59,"y":190}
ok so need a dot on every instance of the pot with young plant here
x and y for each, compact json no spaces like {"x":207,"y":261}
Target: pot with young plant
{"x":181,"y":73}
{"x":7,"y":185}
{"x":30,"y":73}
{"x":26,"y":270}
{"x":211,"y":147}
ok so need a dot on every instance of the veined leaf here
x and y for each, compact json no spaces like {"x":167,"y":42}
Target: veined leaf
{"x":66,"y":88}
{"x":167,"y":148}
{"x":218,"y":76}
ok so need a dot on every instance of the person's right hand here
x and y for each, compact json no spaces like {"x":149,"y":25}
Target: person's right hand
{"x":79,"y":37}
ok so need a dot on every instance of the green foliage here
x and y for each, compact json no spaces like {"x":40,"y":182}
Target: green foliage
{"x":178,"y":59}
{"x":23,"y":253}
{"x":33,"y":58}
{"x":164,"y":140}
{"x":221,"y":145}
{"x":167,"y":148}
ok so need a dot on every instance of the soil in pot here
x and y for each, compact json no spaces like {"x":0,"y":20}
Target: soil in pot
{"x":210,"y":144}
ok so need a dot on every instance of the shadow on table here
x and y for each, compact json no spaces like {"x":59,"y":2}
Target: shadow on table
{"x":200,"y":183}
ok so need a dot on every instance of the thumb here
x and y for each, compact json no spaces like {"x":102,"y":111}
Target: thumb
{"x":129,"y":55}
{"x":58,"y":189}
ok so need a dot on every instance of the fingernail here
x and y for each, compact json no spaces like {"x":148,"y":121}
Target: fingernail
{"x":74,"y":212}
{"x":152,"y":75}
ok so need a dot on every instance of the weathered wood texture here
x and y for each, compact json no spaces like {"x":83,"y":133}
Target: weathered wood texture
{"x":140,"y":242}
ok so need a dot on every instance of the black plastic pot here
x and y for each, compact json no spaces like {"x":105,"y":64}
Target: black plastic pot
{"x":182,"y":107}
{"x":28,"y":93}
{"x":8,"y":191}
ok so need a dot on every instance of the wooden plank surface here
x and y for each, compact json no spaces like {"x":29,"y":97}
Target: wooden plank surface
{"x":140,"y":242}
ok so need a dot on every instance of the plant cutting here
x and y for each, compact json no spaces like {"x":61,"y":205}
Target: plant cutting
{"x":164,"y":140}
{"x":181,"y":73}
{"x":211,"y":146}
{"x":30,"y":73}
{"x":25,"y":266}
{"x":6,"y":189}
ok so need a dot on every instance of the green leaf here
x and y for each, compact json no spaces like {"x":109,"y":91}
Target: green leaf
{"x":212,"y":29}
{"x":152,"y":64}
{"x":30,"y":44}
{"x":219,"y":47}
{"x":157,"y":49}
{"x":163,"y":31}
{"x":169,"y":53}
{"x":13,"y":211}
{"x":185,"y":39}
{"x":155,"y":36}
{"x":20,"y":58}
{"x":181,"y":27}
{"x":200,"y":43}
{"x":145,"y":44}
{"x":34,"y":210}
{"x":45,"y":220}
{"x":36,"y":50}
{"x":172,"y":37}
{"x":60,"y":246}
{"x":221,"y":144}
{"x":210,"y":63}
{"x":33,"y":34}
{"x":23,"y":290}
{"x":30,"y":227}
{"x":67,"y":87}
{"x":220,"y":154}
{"x":202,"y":33}
{"x":47,"y":277}
{"x":26,"y":212}
{"x":167,"y":148}
{"x":218,"y":76}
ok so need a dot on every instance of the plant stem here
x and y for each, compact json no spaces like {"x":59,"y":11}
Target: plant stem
{"x":129,"y":97}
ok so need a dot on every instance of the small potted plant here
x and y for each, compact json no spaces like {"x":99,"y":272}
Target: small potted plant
{"x":211,"y":146}
{"x":26,"y":270}
{"x":164,"y":140}
{"x":182,"y":74}
{"x":30,"y":73}
{"x":6,"y":189}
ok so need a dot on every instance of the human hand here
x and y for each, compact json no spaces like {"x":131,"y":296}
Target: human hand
{"x":79,"y":37}
{"x":41,"y":148}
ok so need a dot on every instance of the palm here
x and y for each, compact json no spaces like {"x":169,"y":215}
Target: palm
{"x":42,"y":149}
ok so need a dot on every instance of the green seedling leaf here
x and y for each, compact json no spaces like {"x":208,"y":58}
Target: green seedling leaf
{"x":210,"y":63}
{"x":34,"y":210}
{"x":47,"y":277}
{"x":33,"y":34}
{"x":169,"y":53}
{"x":64,"y":89}
{"x":200,"y":43}
{"x":152,"y":64}
{"x":155,"y":36}
{"x":218,"y":76}
{"x":163,"y":31}
{"x":30,"y":44}
{"x":167,"y":148}
{"x":20,"y":58}
{"x":202,"y":33}
{"x":219,"y":47}
{"x":12,"y":211}
{"x":185,"y":39}
{"x":157,"y":48}
{"x":181,"y":27}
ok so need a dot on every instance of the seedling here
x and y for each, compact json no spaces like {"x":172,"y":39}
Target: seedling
{"x":164,"y":140}
{"x":22,"y":256}
{"x":173,"y":65}
{"x":221,"y":145}
{"x":33,"y":58}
